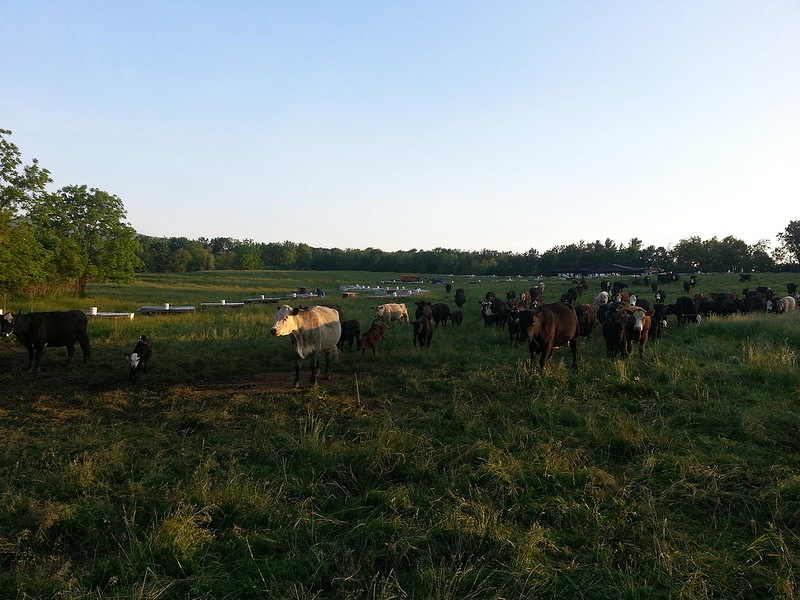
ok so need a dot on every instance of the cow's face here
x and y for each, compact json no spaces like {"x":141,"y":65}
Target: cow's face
{"x":134,"y":359}
{"x":379,"y":310}
{"x":285,"y":322}
{"x":6,"y":325}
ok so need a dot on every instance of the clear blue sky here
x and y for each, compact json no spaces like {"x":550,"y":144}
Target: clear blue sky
{"x":398,"y":125}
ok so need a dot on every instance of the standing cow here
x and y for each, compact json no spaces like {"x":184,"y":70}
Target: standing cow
{"x":314,"y":331}
{"x":37,"y":330}
{"x":636,"y":328}
{"x":553,"y":325}
{"x":391,"y":312}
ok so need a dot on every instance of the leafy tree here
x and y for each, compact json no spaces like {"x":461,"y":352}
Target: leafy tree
{"x":790,"y":241}
{"x":85,"y":228}
{"x":19,"y":185}
{"x":24,"y":259}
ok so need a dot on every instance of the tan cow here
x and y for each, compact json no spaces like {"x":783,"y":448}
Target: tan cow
{"x":391,"y":312}
{"x":784,"y":304}
{"x":314,"y":331}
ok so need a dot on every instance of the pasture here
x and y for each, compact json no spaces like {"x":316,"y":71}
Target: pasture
{"x":450,"y":472}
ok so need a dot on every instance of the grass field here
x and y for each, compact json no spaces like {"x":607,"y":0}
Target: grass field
{"x":450,"y":473}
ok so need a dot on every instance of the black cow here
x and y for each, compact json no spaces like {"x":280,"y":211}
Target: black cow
{"x":441,"y":313}
{"x":139,"y":357}
{"x":613,"y":329}
{"x":460,"y":297}
{"x":423,"y":331}
{"x":456,"y":317}
{"x":685,"y":309}
{"x":351,"y":334}
{"x":658,"y":322}
{"x":494,"y":312}
{"x":37,"y":330}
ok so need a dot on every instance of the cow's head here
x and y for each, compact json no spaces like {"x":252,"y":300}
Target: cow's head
{"x":134,"y":359}
{"x":6,"y":325}
{"x":285,"y":322}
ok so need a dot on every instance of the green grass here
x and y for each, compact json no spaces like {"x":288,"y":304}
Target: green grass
{"x":454,"y":472}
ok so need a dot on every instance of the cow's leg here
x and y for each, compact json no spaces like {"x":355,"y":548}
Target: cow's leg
{"x":31,"y":355}
{"x":327,"y":365}
{"x":38,"y":357}
{"x":70,"y":353}
{"x":85,"y":348}
{"x":573,"y":346}
{"x":298,"y":362}
{"x":314,"y":367}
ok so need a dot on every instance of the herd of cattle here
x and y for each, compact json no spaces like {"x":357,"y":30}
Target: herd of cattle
{"x":321,"y":331}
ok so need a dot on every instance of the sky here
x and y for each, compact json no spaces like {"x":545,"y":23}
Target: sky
{"x":465,"y":125}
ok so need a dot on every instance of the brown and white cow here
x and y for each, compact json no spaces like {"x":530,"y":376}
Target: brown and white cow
{"x":314,"y":331}
{"x":553,"y":325}
{"x":637,"y":327}
{"x":393,"y":311}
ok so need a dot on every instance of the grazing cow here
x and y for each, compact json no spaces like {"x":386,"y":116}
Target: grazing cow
{"x":314,"y":331}
{"x":441,"y":313}
{"x":637,"y":328}
{"x":785,"y":304}
{"x":456,"y":317}
{"x":552,"y":326}
{"x":139,"y":357}
{"x":587,"y":319}
{"x":460,"y":297}
{"x":613,"y":327}
{"x":423,"y":332}
{"x":37,"y":330}
{"x":391,"y":312}
{"x":372,"y":336}
{"x":351,"y":334}
{"x":752,"y":302}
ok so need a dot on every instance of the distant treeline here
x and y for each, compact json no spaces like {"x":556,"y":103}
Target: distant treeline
{"x":179,"y":254}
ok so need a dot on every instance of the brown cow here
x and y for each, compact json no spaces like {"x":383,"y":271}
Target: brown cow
{"x":553,"y":325}
{"x":587,"y":319}
{"x":371,"y":337}
{"x":636,"y":329}
{"x":423,"y":331}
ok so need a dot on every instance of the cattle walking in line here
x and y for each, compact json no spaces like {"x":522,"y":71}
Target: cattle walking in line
{"x":313,"y":331}
{"x":391,"y":312}
{"x":351,"y":334}
{"x":372,"y":336}
{"x":423,"y":331}
{"x":139,"y":357}
{"x":552,"y":326}
{"x":37,"y":330}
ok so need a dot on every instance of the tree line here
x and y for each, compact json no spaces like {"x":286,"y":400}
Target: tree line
{"x":52,"y":241}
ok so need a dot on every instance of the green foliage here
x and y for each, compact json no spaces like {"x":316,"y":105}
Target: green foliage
{"x":790,"y":241}
{"x":85,"y":230}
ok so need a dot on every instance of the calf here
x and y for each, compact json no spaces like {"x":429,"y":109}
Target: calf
{"x":371,"y":337}
{"x":587,"y":319}
{"x":139,"y":358}
{"x":613,"y":326}
{"x":423,"y":332}
{"x":351,"y":334}
{"x":456,"y":317}
{"x":552,"y":326}
{"x":37,"y":330}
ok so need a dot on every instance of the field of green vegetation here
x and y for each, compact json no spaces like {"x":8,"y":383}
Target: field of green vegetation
{"x":455,"y":472}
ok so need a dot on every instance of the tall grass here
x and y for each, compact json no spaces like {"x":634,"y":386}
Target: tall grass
{"x":453,"y":472}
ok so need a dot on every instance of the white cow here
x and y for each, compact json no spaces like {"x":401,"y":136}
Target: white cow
{"x":391,"y":312}
{"x":785,"y":304}
{"x":314,"y":331}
